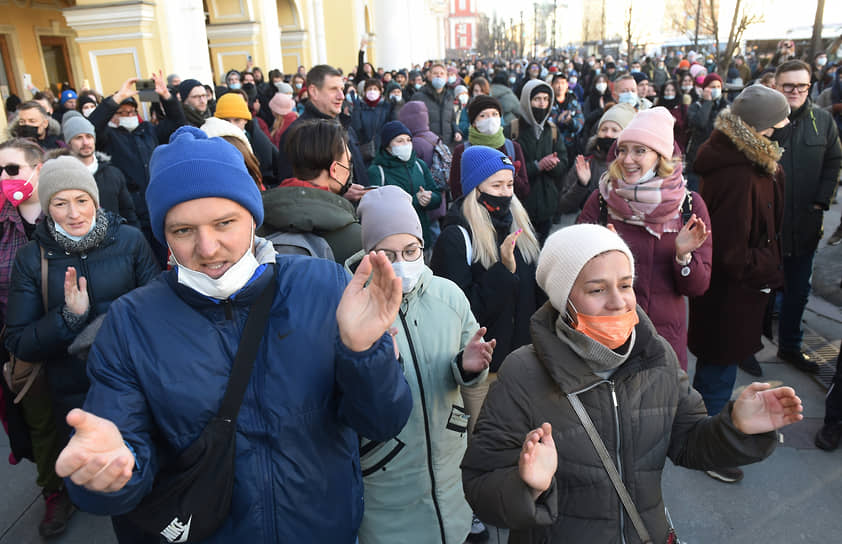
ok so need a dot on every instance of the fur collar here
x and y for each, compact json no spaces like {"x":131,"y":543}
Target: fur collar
{"x":758,"y":149}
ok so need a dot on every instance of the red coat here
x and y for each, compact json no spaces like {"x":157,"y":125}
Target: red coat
{"x":659,"y":284}
{"x":744,"y":187}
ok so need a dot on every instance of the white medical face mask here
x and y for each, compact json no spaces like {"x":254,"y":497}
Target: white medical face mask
{"x":715,"y":93}
{"x":601,"y":87}
{"x":129,"y":123}
{"x":66,"y":234}
{"x":86,"y":110}
{"x":409,"y":272}
{"x":234,"y":279}
{"x":629,"y":98}
{"x":402,"y":151}
{"x":463,"y":99}
{"x":489,"y":125}
{"x":372,"y":95}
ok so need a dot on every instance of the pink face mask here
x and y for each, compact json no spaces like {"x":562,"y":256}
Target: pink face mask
{"x":18,"y":190}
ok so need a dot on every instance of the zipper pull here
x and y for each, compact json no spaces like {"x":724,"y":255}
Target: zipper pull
{"x":614,"y":396}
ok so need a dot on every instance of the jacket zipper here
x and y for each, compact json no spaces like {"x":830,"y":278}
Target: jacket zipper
{"x":83,"y":271}
{"x":617,"y":455}
{"x":426,"y":423}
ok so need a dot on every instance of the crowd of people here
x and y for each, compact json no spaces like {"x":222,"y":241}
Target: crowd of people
{"x":475,"y":276}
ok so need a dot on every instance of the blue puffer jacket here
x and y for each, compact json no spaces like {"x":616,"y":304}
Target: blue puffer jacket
{"x":369,"y":120}
{"x":159,"y":369}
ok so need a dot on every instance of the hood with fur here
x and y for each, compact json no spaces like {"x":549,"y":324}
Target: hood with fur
{"x":53,"y":128}
{"x":758,"y":149}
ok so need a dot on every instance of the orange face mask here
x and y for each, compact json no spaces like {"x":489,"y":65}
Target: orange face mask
{"x":611,"y":331}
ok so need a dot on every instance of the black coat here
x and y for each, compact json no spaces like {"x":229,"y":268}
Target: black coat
{"x":113,"y":192}
{"x":122,"y":262}
{"x":440,"y":108}
{"x":501,"y":301}
{"x":310,"y":112}
{"x":811,"y":161}
{"x":266,"y":153}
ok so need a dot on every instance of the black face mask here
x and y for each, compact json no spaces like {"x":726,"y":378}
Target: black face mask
{"x":604,"y":144}
{"x":539,"y":114}
{"x":499,"y":207}
{"x":782,"y":134}
{"x":348,"y":182}
{"x":27,"y":131}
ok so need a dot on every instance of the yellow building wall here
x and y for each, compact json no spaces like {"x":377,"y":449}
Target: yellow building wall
{"x":23,"y":25}
{"x":343,"y":35}
{"x":292,"y":18}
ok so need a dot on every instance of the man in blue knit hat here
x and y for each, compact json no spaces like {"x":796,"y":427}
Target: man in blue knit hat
{"x":325,"y":370}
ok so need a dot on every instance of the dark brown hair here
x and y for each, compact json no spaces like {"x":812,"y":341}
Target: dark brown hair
{"x":313,"y":145}
{"x":32,"y":152}
{"x":793,"y":66}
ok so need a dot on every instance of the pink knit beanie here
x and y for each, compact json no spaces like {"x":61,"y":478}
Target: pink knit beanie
{"x":696,"y":70}
{"x":652,"y":128}
{"x":281,"y":104}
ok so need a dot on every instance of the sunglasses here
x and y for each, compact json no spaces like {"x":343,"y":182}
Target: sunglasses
{"x":11,"y":169}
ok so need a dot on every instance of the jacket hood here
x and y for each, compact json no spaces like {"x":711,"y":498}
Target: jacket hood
{"x":415,"y":116}
{"x":305,"y":209}
{"x":759,"y":150}
{"x":567,"y":368}
{"x":53,"y":128}
{"x":525,"y":101}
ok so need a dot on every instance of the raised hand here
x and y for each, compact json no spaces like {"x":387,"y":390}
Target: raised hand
{"x":583,"y":170}
{"x":477,"y":354}
{"x":365,"y":312}
{"x":690,"y":238}
{"x":75,"y":297}
{"x":538,"y":460}
{"x":96,"y":456}
{"x":424,"y":197}
{"x":507,"y":251}
{"x":161,"y":85}
{"x":126,"y":90}
{"x":759,"y":409}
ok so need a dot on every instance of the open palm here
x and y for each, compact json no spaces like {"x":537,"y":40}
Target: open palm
{"x":538,"y":459}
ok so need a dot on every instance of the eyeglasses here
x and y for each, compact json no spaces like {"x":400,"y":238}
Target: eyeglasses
{"x":202,"y":96}
{"x":800,"y":87}
{"x":11,"y":169}
{"x":410,"y":253}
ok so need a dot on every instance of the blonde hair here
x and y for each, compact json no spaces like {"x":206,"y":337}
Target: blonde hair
{"x":665,"y":169}
{"x":484,"y":236}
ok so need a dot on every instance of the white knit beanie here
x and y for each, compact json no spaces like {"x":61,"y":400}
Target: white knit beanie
{"x":565,"y":254}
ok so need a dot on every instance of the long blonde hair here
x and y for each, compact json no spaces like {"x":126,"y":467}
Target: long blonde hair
{"x":485,"y":244}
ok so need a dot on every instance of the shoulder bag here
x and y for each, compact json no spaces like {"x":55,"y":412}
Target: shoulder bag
{"x":191,"y":498}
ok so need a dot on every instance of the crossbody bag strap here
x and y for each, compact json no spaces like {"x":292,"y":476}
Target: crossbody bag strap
{"x":247,"y":351}
{"x":36,"y":370}
{"x":604,"y":456}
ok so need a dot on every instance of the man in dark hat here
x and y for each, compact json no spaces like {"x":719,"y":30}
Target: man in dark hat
{"x":194,"y":99}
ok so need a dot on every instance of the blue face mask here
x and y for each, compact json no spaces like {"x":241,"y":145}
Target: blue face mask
{"x":438,"y":83}
{"x":234,"y":86}
{"x":629,"y":98}
{"x":512,"y":80}
{"x":66,"y":234}
{"x":418,"y":86}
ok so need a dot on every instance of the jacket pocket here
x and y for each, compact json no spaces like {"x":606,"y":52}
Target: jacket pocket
{"x":375,"y":455}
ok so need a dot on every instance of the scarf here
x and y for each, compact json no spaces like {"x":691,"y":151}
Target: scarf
{"x":654,"y":204}
{"x":372,"y":103}
{"x":194,"y":116}
{"x":600,"y":359}
{"x":88,"y":242}
{"x":494,"y":141}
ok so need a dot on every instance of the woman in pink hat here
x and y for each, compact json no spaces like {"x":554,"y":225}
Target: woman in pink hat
{"x":644,"y":196}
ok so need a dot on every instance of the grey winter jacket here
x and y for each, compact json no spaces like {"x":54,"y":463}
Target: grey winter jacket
{"x":440,"y":109}
{"x":656,"y":414}
{"x":508,"y":100}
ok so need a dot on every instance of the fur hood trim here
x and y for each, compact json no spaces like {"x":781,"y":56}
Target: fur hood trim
{"x":758,"y":149}
{"x":53,"y":128}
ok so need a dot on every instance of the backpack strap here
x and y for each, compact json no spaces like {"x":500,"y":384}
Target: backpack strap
{"x":603,"y":211}
{"x":510,"y":149}
{"x":382,"y":176}
{"x":418,"y":164}
{"x":469,"y":250}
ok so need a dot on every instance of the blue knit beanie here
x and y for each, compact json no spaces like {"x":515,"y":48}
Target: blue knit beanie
{"x":479,"y":163}
{"x":392,"y":130}
{"x":194,"y":166}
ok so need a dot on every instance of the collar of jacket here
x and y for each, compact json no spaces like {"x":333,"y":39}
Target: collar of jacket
{"x":758,"y":149}
{"x":42,"y":233}
{"x":313,"y":111}
{"x":573,"y":374}
{"x":800,"y":112}
{"x":199,"y":302}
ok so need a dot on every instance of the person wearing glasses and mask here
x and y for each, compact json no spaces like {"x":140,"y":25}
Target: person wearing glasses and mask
{"x":412,"y":482}
{"x":811,"y":161}
{"x":312,"y":201}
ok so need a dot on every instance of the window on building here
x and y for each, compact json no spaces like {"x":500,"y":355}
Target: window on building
{"x":56,"y":59}
{"x":8,"y":85}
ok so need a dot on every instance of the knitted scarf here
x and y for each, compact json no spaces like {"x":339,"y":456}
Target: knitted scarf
{"x":494,"y":141}
{"x":88,"y":242}
{"x":654,"y":204}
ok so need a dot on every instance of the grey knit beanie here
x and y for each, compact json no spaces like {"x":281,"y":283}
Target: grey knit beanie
{"x":61,"y":174}
{"x":75,"y":126}
{"x":565,"y":254}
{"x":387,"y":211}
{"x":760,"y":107}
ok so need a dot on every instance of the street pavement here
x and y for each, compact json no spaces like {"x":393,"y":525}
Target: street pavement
{"x":793,"y":496}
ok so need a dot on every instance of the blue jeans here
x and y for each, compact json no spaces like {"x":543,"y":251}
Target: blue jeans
{"x":715,"y":383}
{"x":797,"y":273}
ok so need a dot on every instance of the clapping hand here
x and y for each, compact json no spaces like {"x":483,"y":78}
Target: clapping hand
{"x":365,"y":312}
{"x":424,"y":197}
{"x":507,"y":251}
{"x":477,"y":353}
{"x":75,"y":297}
{"x":538,"y":460}
{"x":583,"y":170}
{"x":759,"y":409}
{"x":96,"y":456}
{"x":690,"y":238}
{"x":549,"y":162}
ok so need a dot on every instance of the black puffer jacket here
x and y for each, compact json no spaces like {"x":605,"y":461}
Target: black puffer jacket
{"x":657,"y":415}
{"x":122,"y":262}
{"x":500,"y":300}
{"x":811,"y":161}
{"x":440,"y":107}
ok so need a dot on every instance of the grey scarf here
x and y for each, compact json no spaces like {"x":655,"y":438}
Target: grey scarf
{"x":601,"y":359}
{"x":88,"y":242}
